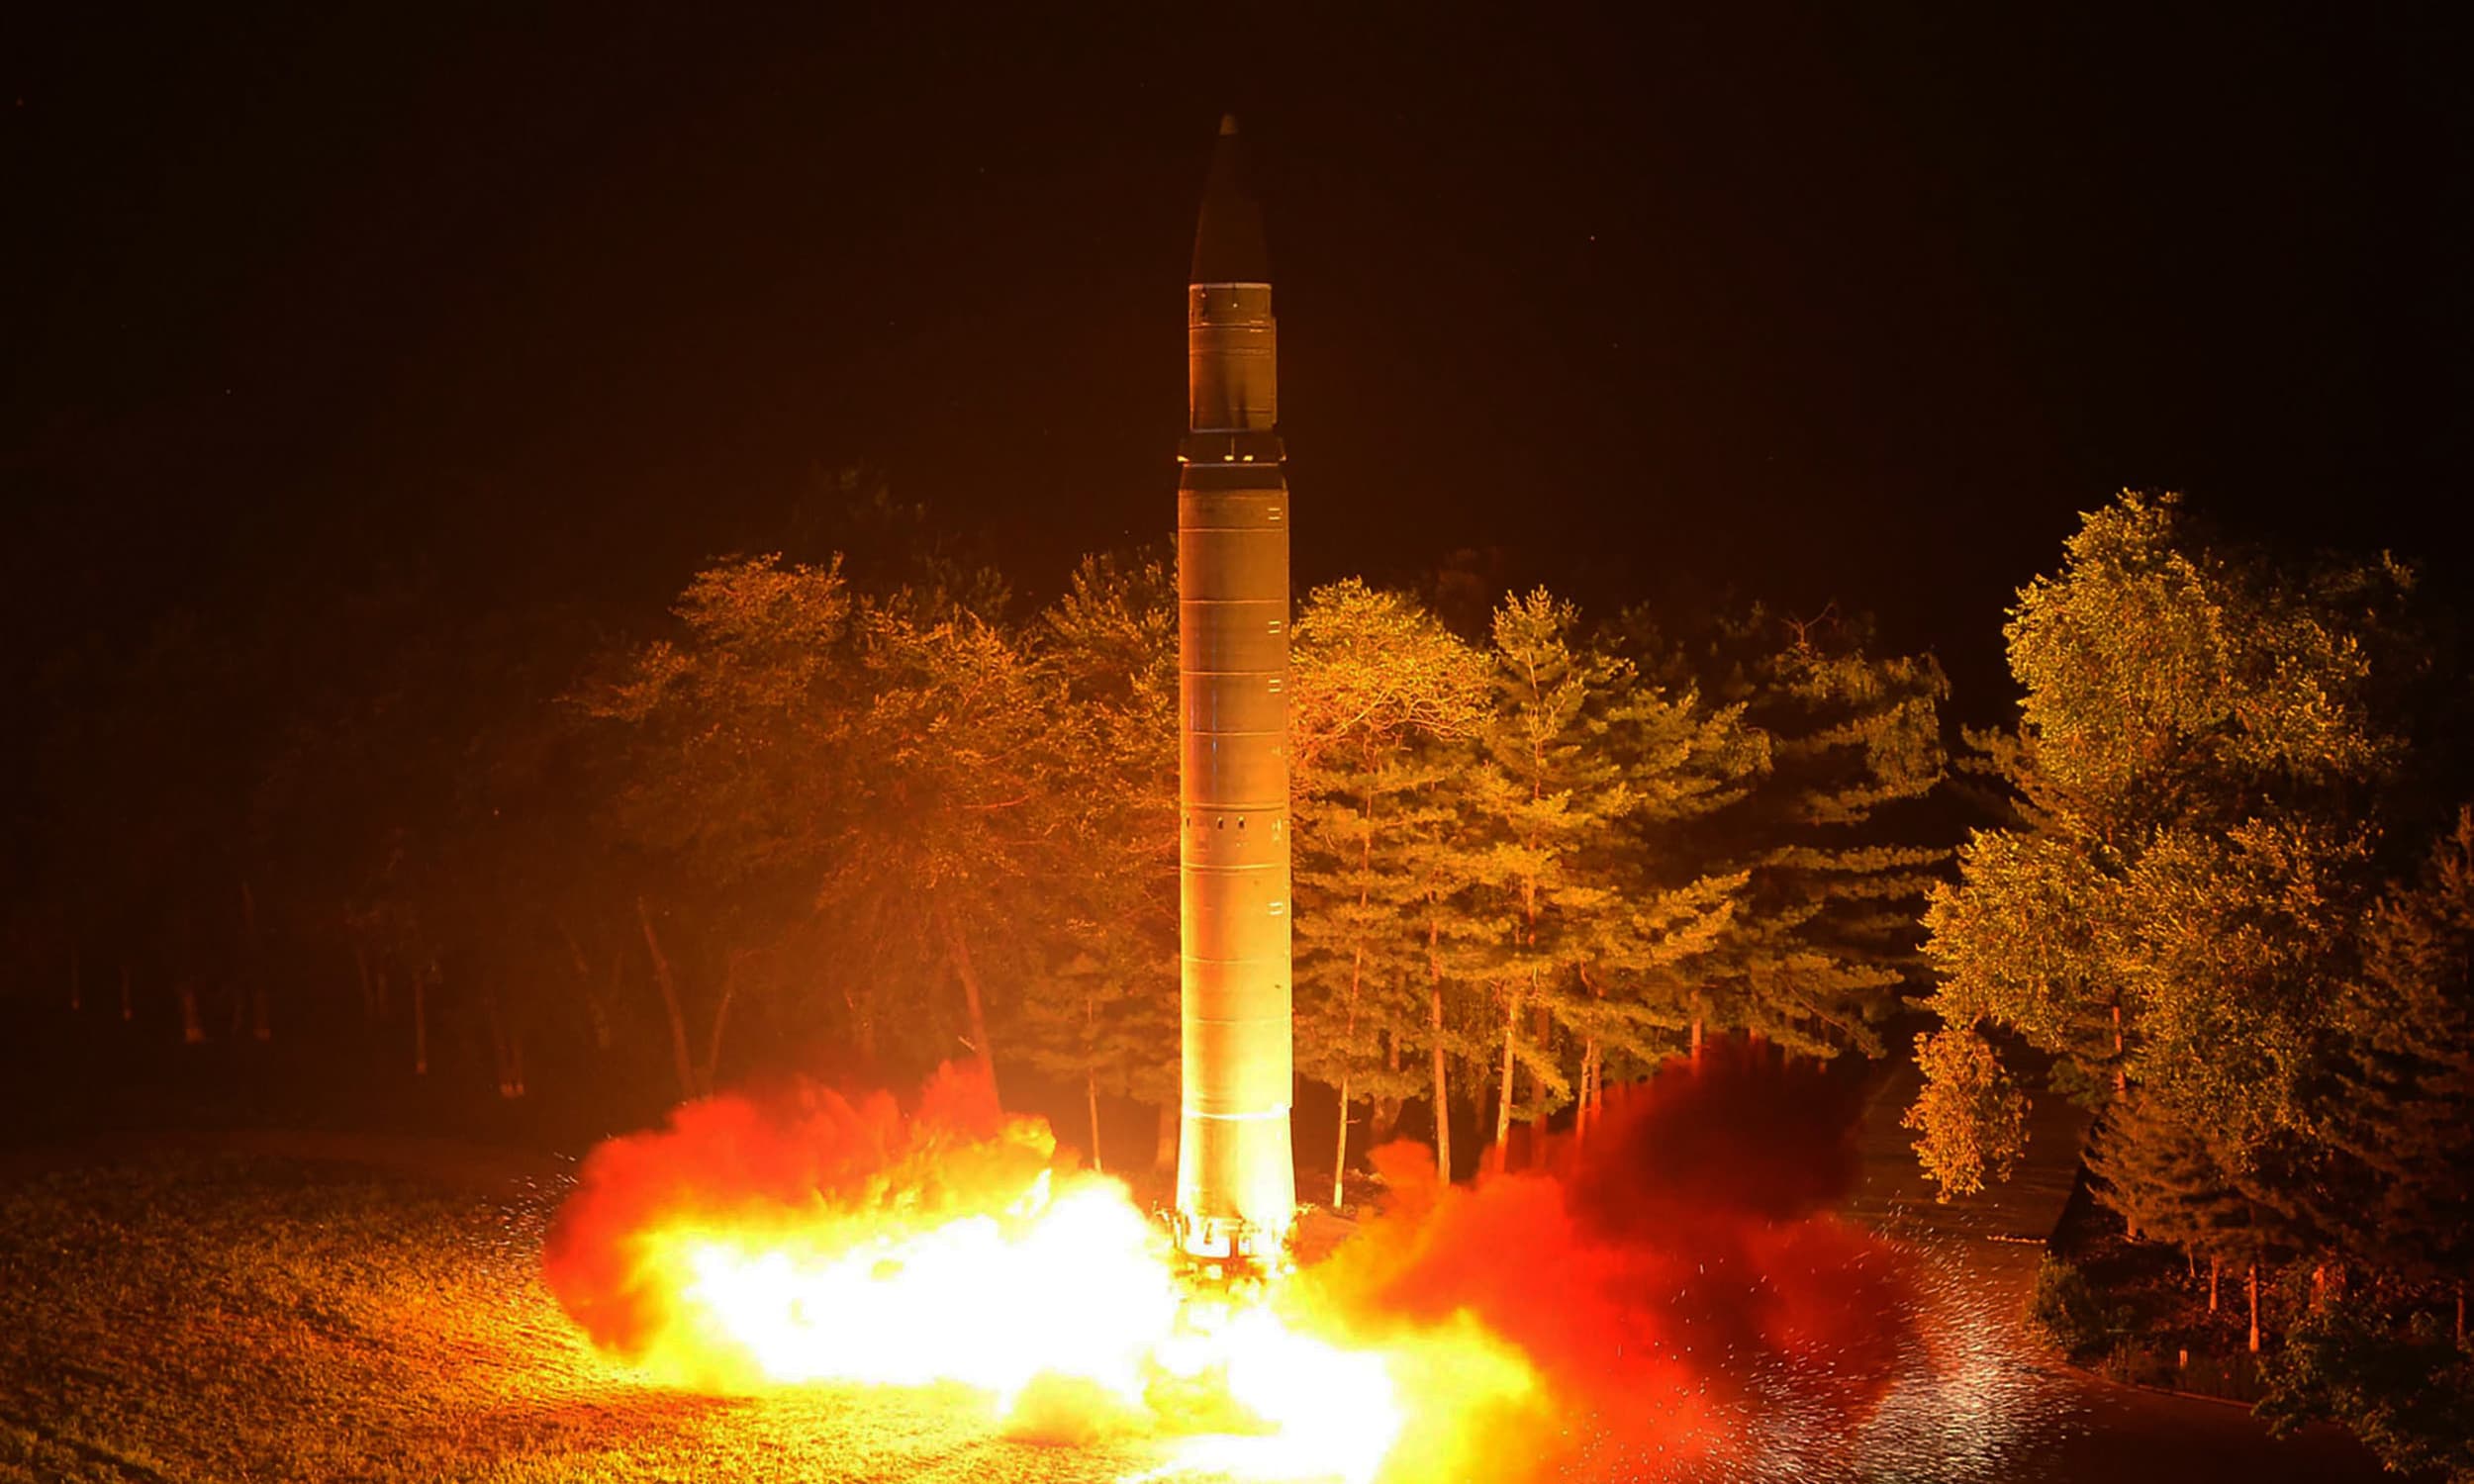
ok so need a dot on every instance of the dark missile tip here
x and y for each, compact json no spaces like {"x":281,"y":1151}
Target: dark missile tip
{"x":1228,"y":240}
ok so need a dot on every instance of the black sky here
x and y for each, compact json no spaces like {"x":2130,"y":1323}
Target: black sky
{"x":1855,"y":303}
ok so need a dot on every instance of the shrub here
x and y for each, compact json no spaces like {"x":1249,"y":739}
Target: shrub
{"x":2070,"y":1313}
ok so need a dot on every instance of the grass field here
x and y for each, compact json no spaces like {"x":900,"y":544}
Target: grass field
{"x":191,"y":1314}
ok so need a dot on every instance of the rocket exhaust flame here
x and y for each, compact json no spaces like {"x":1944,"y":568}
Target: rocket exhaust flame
{"x":1670,"y":1303}
{"x":839,"y":1240}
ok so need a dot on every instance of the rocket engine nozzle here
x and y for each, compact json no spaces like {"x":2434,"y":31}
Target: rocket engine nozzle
{"x":1226,"y":1255}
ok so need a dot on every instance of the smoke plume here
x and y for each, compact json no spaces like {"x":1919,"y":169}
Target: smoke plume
{"x":1688,"y":1305}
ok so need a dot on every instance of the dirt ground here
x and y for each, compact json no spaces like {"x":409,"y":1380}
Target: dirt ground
{"x":276,"y":1307}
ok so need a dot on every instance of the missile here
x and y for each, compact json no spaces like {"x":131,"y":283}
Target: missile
{"x":1236,"y":1184}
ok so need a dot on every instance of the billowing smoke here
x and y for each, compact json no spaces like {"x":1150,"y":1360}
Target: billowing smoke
{"x":1669,"y":1299}
{"x":1675,"y":1280}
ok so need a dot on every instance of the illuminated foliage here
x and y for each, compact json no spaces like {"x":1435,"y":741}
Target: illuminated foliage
{"x":1101,"y":1005}
{"x":2165,"y":1181}
{"x":2386,"y":1367}
{"x":2204,"y":754}
{"x":1971,"y":1124}
{"x":2393,"y":1179}
{"x":1385,"y":699}
{"x":1577,"y":758}
{"x":1837,"y":861}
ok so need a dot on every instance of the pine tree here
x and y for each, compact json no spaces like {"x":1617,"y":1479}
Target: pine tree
{"x":2167,"y":1184}
{"x":1579,"y":765}
{"x":1383,"y":697}
{"x":1101,"y":1005}
{"x":2399,"y":1120}
{"x":1825,"y":939}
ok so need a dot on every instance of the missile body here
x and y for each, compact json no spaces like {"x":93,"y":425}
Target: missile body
{"x":1236,"y":1184}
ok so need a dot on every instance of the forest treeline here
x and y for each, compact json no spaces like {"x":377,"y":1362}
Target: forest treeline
{"x":2233,"y":900}
{"x":871,"y":815}
{"x":862,"y":814}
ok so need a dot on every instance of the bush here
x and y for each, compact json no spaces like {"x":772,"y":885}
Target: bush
{"x":2388,"y":1370}
{"x":2070,"y":1313}
{"x":2137,"y":1365}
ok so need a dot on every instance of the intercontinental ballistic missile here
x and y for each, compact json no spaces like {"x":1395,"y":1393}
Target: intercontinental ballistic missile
{"x":1236,"y":1184}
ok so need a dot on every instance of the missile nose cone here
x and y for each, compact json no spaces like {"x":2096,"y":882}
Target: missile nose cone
{"x":1228,"y":241}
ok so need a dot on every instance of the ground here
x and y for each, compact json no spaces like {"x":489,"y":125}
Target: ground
{"x":251,"y":1309}
{"x":329,"y":1307}
{"x":1992,"y":1243}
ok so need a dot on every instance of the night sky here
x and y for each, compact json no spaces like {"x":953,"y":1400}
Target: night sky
{"x":1857,"y":303}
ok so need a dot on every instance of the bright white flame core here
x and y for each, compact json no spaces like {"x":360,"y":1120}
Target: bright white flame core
{"x":1072,"y":1288}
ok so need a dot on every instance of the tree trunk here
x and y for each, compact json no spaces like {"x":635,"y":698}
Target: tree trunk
{"x":77,"y":979}
{"x":2460,"y":1316}
{"x":2120,"y":1070}
{"x":2216,"y":1266}
{"x":128,"y":1012}
{"x":386,"y":1000}
{"x":1164,"y":1148}
{"x":720,"y":1019}
{"x":593,"y":1007}
{"x":680,"y":1062}
{"x":369,"y":993}
{"x":2252,"y":1282}
{"x":1091,"y":1102}
{"x":1503,"y":1107}
{"x":1348,"y":1037}
{"x":973,"y":1005}
{"x":191,"y":1032}
{"x":1383,"y":1114}
{"x":421,"y":1021}
{"x":1340,"y":1155}
{"x":1443,"y":1087}
{"x":1588,"y":1111}
{"x":1697,"y":1041}
{"x":1542,"y":1035}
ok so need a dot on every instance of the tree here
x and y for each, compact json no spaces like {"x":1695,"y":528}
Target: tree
{"x":2398,"y":1117}
{"x":1383,"y":697}
{"x":2206,"y":756}
{"x":1824,"y":942}
{"x":2385,"y":1368}
{"x":729,"y":787}
{"x":951,"y":807}
{"x":2166,"y":1183}
{"x":1579,"y":763}
{"x":1971,"y":1121}
{"x":1101,"y":1005}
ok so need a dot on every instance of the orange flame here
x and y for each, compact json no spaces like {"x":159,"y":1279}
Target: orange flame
{"x":946,"y":1248}
{"x":1674,"y":1301}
